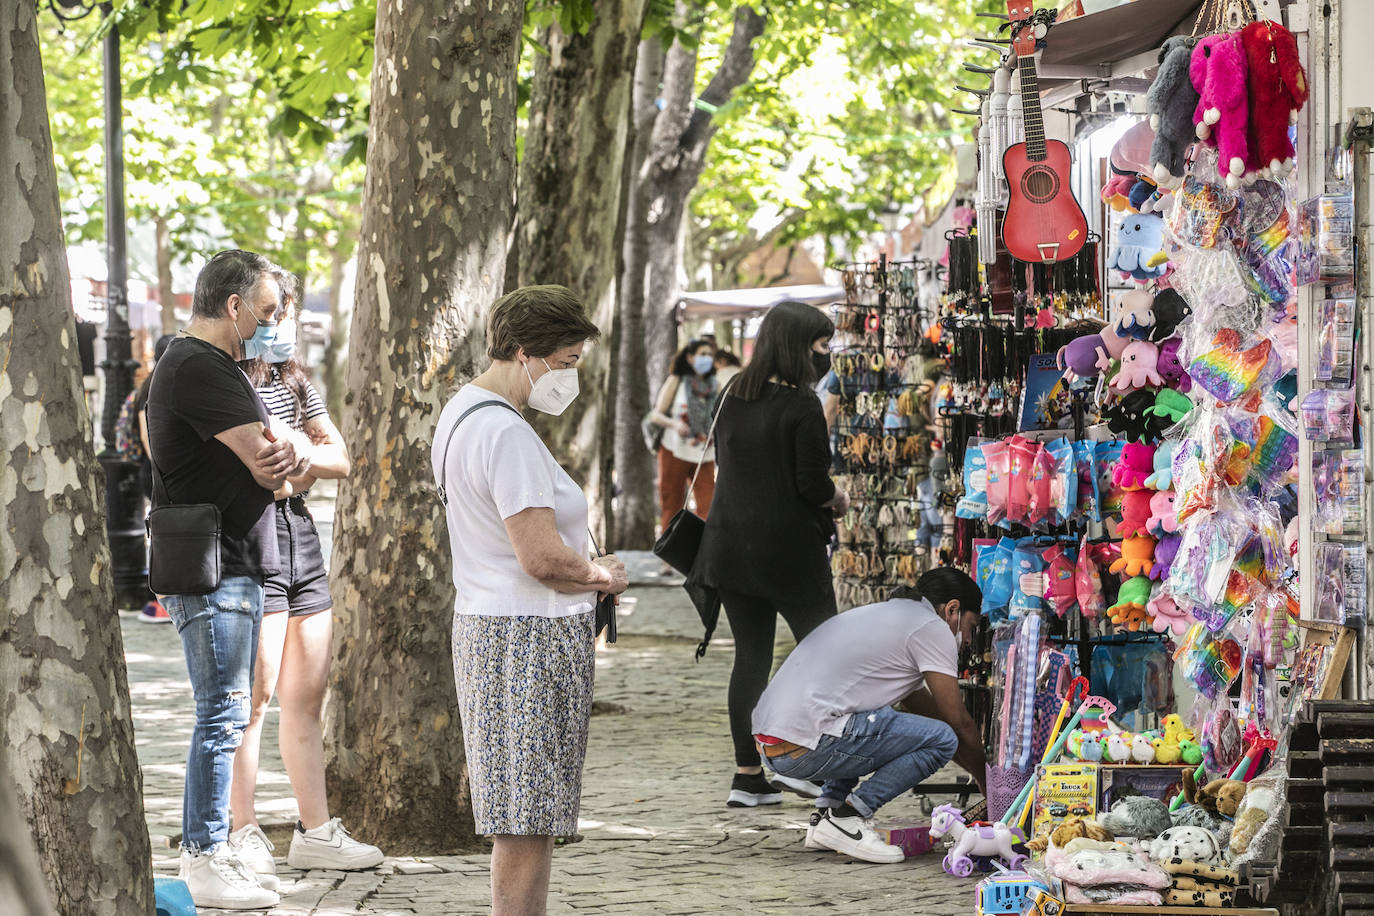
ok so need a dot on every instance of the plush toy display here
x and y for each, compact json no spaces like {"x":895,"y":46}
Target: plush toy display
{"x":1116,"y":749}
{"x":1175,"y":730}
{"x":1135,"y":520}
{"x":1168,"y":616}
{"x":1081,"y":358}
{"x":1190,"y":752}
{"x":1138,"y":367}
{"x":1090,"y":749}
{"x":1171,"y":101}
{"x":1253,"y":812}
{"x":1139,"y":253}
{"x":1137,"y":816}
{"x":1135,"y":466}
{"x":1169,"y":310}
{"x":1072,"y":828}
{"x":1220,"y":796}
{"x":1165,"y":753}
{"x":1165,"y":551}
{"x":1137,"y":556}
{"x":1134,"y":315}
{"x":1163,"y":476}
{"x":1142,"y":748}
{"x":1116,"y":193}
{"x":1170,"y":406}
{"x":1170,"y":365}
{"x":1218,"y":72}
{"x":1277,"y":91}
{"x":1129,"y":611}
{"x":1127,"y":418}
{"x":1163,"y":518}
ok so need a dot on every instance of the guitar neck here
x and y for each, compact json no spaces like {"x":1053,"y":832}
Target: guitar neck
{"x":1030,"y":106}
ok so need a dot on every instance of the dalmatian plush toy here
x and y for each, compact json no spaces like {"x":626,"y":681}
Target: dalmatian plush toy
{"x":1186,"y":844}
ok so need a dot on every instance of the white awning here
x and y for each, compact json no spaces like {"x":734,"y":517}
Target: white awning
{"x":745,"y":303}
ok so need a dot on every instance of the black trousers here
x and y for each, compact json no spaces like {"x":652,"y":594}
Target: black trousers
{"x":753,"y":622}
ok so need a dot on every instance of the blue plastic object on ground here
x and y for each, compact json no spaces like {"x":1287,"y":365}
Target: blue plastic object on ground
{"x":173,"y":897}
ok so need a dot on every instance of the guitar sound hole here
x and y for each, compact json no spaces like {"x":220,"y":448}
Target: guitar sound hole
{"x":1040,"y":184}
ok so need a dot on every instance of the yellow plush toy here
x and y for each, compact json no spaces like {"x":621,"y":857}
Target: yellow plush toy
{"x":1174,"y":731}
{"x":1166,"y":752}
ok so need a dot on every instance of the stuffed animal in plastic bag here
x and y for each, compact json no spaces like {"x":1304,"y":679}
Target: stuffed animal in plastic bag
{"x":1171,"y":101}
{"x":1218,"y":71}
{"x":1139,"y":252}
{"x":1277,"y":90}
{"x":1255,"y":809}
{"x":1138,"y":367}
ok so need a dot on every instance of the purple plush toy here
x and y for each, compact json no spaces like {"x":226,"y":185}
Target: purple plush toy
{"x":1078,"y":358}
{"x":1165,"y":551}
{"x":1170,"y":366}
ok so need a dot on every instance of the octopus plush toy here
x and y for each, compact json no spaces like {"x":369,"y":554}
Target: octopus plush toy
{"x":1218,"y":72}
{"x":1129,"y":610}
{"x":1137,"y":556}
{"x":1170,"y":366}
{"x":1170,"y":406}
{"x":1277,"y":90}
{"x":1135,"y":315}
{"x":1171,"y":101}
{"x":1168,"y":616}
{"x":1138,"y":367}
{"x":1139,"y":253}
{"x":1163,"y":517}
{"x":1116,"y":193}
{"x":1165,"y":551}
{"x":1135,"y":466}
{"x":1169,"y":310}
{"x":1080,"y":358}
{"x":1128,"y":418}
{"x":1162,"y":478}
{"x":1113,"y":345}
{"x":1135,"y":515}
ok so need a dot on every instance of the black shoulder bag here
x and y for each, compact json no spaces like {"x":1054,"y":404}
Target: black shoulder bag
{"x":183,"y":544}
{"x":605,"y":605}
{"x":681,"y":540}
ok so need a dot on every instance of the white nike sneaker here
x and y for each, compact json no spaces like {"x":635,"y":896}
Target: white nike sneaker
{"x":810,"y":842}
{"x":222,"y":882}
{"x":854,"y":837}
{"x":329,"y":846}
{"x":254,"y":849}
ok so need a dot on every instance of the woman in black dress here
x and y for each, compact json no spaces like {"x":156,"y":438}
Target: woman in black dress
{"x":764,"y":550}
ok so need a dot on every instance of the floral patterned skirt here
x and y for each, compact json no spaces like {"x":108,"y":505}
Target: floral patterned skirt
{"x":525,"y":695}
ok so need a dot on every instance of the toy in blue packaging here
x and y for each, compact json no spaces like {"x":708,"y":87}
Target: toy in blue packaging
{"x":1063,"y":481}
{"x":974,"y":503}
{"x":1027,"y":559}
{"x":997,"y":583}
{"x":1085,"y":465}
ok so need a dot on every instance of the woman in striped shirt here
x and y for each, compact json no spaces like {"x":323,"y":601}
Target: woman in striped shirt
{"x":295,"y":640}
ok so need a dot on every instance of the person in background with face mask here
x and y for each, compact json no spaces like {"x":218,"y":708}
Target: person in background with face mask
{"x":827,"y":715}
{"x":523,"y":623}
{"x":295,"y":641}
{"x":764,"y":549}
{"x":684,"y":408}
{"x":211,"y":440}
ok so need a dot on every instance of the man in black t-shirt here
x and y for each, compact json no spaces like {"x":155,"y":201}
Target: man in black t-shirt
{"x":213,"y":441}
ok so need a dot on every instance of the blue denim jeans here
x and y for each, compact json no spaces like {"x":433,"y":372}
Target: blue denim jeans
{"x":219,"y":633}
{"x":899,"y":749}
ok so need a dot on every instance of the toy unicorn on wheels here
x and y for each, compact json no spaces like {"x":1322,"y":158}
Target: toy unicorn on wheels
{"x":977,"y":839}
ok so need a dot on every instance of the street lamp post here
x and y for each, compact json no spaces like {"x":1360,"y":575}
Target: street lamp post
{"x":123,"y":491}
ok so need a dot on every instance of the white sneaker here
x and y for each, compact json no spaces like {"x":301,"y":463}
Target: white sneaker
{"x":221,"y":881}
{"x":810,"y":842}
{"x":854,"y":837}
{"x":803,"y":787}
{"x":254,"y":849}
{"x":330,"y":846}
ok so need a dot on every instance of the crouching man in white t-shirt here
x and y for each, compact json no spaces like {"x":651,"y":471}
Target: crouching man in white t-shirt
{"x":827,"y":716}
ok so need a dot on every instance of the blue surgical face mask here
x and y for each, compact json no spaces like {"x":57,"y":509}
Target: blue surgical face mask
{"x":261,"y":342}
{"x":284,"y":346}
{"x":703,"y":363}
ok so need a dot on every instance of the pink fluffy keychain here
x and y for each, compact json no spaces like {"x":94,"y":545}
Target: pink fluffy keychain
{"x":1218,"y":72}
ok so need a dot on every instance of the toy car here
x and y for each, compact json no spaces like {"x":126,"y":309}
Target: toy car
{"x":1059,"y":809}
{"x":1080,"y":810}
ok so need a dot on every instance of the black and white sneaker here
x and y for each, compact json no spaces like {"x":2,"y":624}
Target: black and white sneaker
{"x":854,"y":837}
{"x":810,"y":842}
{"x":803,"y":787}
{"x":749,"y":790}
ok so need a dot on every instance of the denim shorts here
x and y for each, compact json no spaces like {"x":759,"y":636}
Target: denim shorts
{"x":302,"y":587}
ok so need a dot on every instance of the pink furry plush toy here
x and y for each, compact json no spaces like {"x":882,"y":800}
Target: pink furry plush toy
{"x":1278,"y":89}
{"x":1218,"y":71}
{"x":1135,"y":520}
{"x":1136,"y":464}
{"x":1138,"y":367}
{"x":1163,"y":516}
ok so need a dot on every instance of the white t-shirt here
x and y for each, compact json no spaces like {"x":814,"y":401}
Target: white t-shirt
{"x":864,"y":659}
{"x":683,"y":450}
{"x":498,"y":467}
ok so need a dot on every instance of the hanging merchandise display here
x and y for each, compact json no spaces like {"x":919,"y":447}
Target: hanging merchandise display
{"x":1122,"y":474}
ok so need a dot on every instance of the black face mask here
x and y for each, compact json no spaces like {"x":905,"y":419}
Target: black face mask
{"x":821,"y":363}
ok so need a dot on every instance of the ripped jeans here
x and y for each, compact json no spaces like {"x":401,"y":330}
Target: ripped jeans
{"x":219,"y":633}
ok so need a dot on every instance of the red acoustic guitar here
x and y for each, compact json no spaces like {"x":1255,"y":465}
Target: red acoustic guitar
{"x":1044,"y":222}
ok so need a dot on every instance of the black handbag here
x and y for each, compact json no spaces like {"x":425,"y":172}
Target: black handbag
{"x":183,"y":544}
{"x":681,"y":540}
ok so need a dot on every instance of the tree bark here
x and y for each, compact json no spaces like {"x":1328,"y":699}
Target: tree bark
{"x":572,"y":180}
{"x":166,"y":296}
{"x":676,"y":138}
{"x":437,"y":212}
{"x":636,"y":510}
{"x":64,"y":696}
{"x":335,"y":349}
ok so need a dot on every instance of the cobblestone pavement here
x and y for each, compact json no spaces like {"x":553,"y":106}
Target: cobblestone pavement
{"x":658,"y":838}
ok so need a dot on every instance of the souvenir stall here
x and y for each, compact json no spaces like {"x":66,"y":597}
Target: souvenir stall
{"x":1156,"y":479}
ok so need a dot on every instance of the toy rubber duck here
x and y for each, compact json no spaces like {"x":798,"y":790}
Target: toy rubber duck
{"x":1190,"y":752}
{"x":1166,"y":753}
{"x":1142,"y":751}
{"x":1118,"y":749}
{"x":1091,"y":749}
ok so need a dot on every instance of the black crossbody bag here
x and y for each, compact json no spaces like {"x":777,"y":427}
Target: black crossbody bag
{"x":605,"y":605}
{"x":183,"y":544}
{"x":680,"y":542}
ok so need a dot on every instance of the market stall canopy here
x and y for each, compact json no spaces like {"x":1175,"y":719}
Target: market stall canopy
{"x":746,"y":303}
{"x":1115,"y":44}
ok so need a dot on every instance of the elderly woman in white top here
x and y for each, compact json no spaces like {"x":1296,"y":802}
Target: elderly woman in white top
{"x":523,"y":641}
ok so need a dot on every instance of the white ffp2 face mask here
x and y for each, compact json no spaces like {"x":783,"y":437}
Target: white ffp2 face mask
{"x":553,"y":391}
